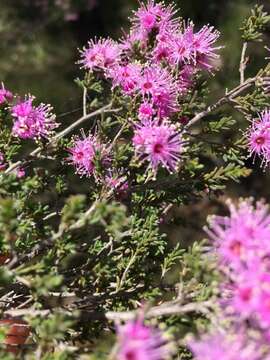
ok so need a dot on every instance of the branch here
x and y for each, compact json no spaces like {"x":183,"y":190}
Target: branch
{"x":104,"y":109}
{"x":57,"y":137}
{"x":125,"y":273}
{"x":243,"y":63}
{"x":225,"y":99}
{"x":165,"y":309}
{"x":84,"y":101}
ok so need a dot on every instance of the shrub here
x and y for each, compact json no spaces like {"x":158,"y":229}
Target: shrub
{"x":84,"y":257}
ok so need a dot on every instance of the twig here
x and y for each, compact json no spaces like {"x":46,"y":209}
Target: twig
{"x":125,"y":273}
{"x":84,"y":101}
{"x":243,"y":63}
{"x":81,"y":222}
{"x":26,"y":302}
{"x":104,"y":109}
{"x":49,"y":216}
{"x":57,"y":137}
{"x":166,"y":309}
{"x":225,"y":99}
{"x":118,"y":134}
{"x":28,"y":311}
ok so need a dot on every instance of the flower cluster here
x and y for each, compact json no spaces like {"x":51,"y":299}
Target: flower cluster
{"x":140,"y":342}
{"x":244,"y":236}
{"x":85,"y":152}
{"x":259,"y":137}
{"x":242,"y":243}
{"x":228,"y":346}
{"x":155,"y":64}
{"x":32,"y":122}
{"x":243,"y":246}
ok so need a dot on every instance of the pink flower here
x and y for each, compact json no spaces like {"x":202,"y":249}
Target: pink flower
{"x":159,"y":145}
{"x":157,"y":83}
{"x":203,"y":47}
{"x":224,"y":346}
{"x":162,"y":52}
{"x":258,"y":136}
{"x":102,"y":54}
{"x":147,"y":16}
{"x":166,"y":102}
{"x":263,"y":307}
{"x":182,"y":47}
{"x":243,"y":247}
{"x":139,"y":342}
{"x":126,"y":76}
{"x":32,"y":122}
{"x":195,"y":48}
{"x":23,"y":109}
{"x":5,"y":95}
{"x":185,"y":80}
{"x":84,"y":154}
{"x":2,"y":161}
{"x":249,"y":295}
{"x":153,"y":16}
{"x":245,"y":292}
{"x":146,"y":111}
{"x":242,"y":236}
{"x":20,"y":172}
{"x":152,"y":79}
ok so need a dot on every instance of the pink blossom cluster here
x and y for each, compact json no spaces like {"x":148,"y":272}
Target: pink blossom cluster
{"x":164,"y":42}
{"x":176,"y":43}
{"x":243,"y":238}
{"x":242,"y":243}
{"x":165,"y":68}
{"x":228,"y":345}
{"x":85,"y":152}
{"x":29,"y":121}
{"x":155,"y":65}
{"x":259,"y":137}
{"x":32,"y":122}
{"x":140,"y":342}
{"x":101,"y":54}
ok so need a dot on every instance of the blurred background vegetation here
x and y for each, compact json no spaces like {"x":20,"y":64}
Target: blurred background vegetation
{"x":39,"y":42}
